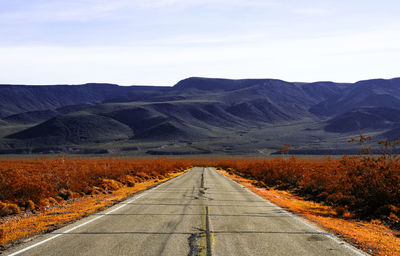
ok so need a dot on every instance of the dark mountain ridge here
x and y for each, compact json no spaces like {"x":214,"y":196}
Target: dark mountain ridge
{"x":15,"y":99}
{"x":259,"y":113}
{"x":368,"y":93}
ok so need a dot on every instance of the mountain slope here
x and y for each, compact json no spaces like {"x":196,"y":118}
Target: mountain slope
{"x":199,"y":115}
{"x":370,"y":93}
{"x":364,"y":118}
{"x":75,"y":129}
{"x":15,"y":99}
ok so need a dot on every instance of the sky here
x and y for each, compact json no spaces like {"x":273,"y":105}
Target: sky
{"x":159,"y":42}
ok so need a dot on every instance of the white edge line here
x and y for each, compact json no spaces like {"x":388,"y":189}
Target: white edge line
{"x":89,"y":221}
{"x":298,"y":218}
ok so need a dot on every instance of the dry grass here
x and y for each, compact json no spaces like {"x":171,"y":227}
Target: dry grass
{"x":16,"y":227}
{"x":371,"y":236}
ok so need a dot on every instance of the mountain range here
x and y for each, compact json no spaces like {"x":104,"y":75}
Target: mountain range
{"x":197,"y":116}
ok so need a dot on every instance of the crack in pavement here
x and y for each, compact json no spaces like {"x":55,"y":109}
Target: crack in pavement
{"x":208,"y":235}
{"x":193,"y":244}
{"x":200,"y":243}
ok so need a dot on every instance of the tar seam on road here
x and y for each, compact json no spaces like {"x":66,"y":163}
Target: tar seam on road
{"x":205,"y":234}
{"x":208,"y":235}
{"x":89,"y":221}
{"x":202,"y":179}
{"x":194,"y":249}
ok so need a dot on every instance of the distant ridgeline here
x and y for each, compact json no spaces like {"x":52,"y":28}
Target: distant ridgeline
{"x":198,"y":116}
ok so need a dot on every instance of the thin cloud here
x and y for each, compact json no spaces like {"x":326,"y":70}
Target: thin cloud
{"x":343,"y":57}
{"x":208,"y":39}
{"x":226,"y":3}
{"x":311,"y":11}
{"x":84,"y":10}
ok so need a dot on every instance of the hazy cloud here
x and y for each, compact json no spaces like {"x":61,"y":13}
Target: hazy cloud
{"x":311,"y":11}
{"x":162,"y":41}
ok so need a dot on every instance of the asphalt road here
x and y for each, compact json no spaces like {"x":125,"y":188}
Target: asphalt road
{"x":200,"y":212}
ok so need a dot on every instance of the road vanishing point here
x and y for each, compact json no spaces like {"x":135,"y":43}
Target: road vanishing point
{"x":201,"y":212}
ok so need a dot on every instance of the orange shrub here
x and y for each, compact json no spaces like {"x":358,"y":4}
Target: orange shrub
{"x":367,"y":186}
{"x":7,"y":209}
{"x":39,"y":182}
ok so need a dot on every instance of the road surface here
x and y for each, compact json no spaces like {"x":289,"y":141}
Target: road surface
{"x":200,"y":212}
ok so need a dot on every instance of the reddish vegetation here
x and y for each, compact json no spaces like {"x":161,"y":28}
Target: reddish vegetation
{"x":368,"y":187}
{"x":29,"y":184}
